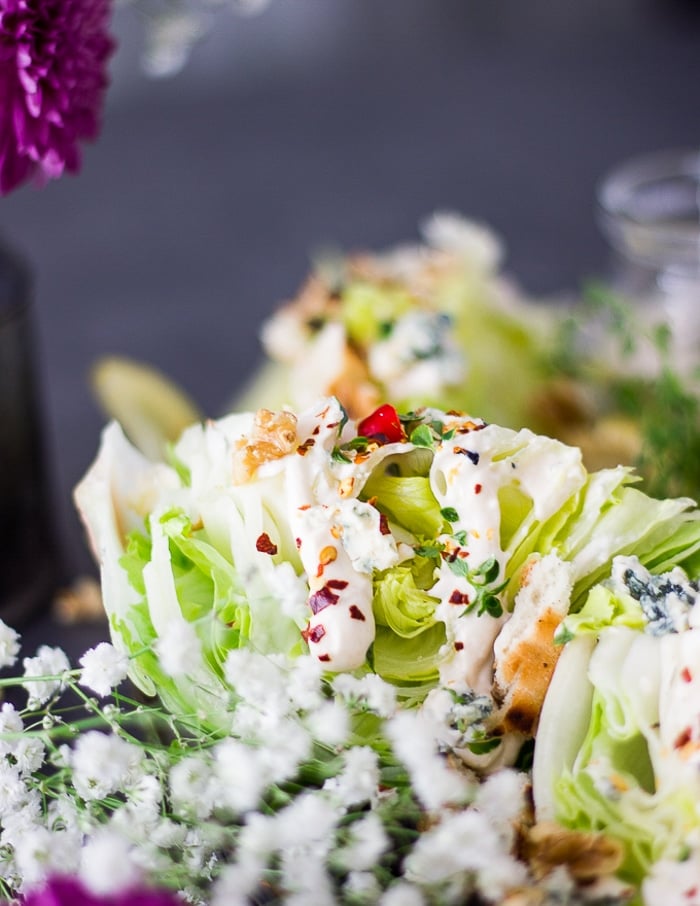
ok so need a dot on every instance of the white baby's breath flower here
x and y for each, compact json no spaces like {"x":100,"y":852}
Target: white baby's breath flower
{"x":167,"y":834}
{"x":259,"y":837}
{"x":306,"y":880}
{"x":370,"y":690}
{"x":104,"y":764}
{"x":40,"y":852}
{"x":9,"y":645}
{"x":434,"y":782}
{"x":194,"y":787}
{"x":368,"y":840}
{"x":303,"y":685}
{"x":23,"y":816}
{"x":29,"y":753}
{"x":462,"y":846}
{"x":359,"y":780}
{"x":501,"y":798}
{"x":103,"y":668}
{"x":362,"y":887}
{"x":240,"y":773}
{"x":179,"y":650}
{"x":258,"y":680}
{"x":11,"y":725}
{"x":106,"y":865}
{"x":48,"y":667}
{"x":146,"y":794}
{"x":13,"y":791}
{"x":402,"y":894}
{"x":305,"y":832}
{"x":236,"y":882}
{"x":329,"y":723}
{"x":291,"y":592}
{"x":290,"y":746}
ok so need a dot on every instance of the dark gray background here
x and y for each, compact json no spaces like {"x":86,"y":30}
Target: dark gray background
{"x":331,"y":120}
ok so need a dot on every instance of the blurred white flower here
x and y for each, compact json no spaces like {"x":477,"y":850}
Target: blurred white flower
{"x":103,"y":668}
{"x":9,"y":645}
{"x":106,"y":865}
{"x":370,"y":690}
{"x":103,"y":764}
{"x":47,"y":669}
{"x":434,"y":782}
{"x":193,"y":787}
{"x":178,"y":649}
{"x":368,"y":840}
{"x":359,"y":780}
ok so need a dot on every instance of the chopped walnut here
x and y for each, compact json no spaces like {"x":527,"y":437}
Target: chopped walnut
{"x":273,"y":436}
{"x":587,"y":856}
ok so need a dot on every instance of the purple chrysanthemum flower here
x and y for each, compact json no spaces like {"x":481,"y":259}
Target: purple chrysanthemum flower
{"x":70,"y":892}
{"x":53,"y":75}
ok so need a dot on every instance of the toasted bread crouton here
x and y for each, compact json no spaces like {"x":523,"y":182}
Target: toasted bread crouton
{"x":525,"y":654}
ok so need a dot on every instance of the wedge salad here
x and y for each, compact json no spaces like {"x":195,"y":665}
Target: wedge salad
{"x":483,"y":572}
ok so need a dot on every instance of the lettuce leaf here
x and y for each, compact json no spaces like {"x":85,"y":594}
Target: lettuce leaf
{"x":406,"y":500}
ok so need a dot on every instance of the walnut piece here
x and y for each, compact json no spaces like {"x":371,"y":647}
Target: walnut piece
{"x":587,"y":856}
{"x":274,"y":435}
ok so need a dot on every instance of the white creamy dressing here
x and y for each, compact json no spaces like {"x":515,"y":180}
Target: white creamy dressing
{"x":467,"y":475}
{"x":340,"y":543}
{"x":679,"y":697}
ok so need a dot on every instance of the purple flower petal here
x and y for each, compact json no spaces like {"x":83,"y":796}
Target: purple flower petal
{"x":53,"y":76}
{"x":62,"y":891}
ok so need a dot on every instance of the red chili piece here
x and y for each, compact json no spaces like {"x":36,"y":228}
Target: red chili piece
{"x":313,"y":635}
{"x":383,"y":425}
{"x":686,"y":675}
{"x":459,"y":597}
{"x":321,"y":599}
{"x":265,"y":545}
{"x":356,"y":613}
{"x":477,"y":489}
{"x":459,"y":646}
{"x":338,"y":584}
{"x":384,"y":524}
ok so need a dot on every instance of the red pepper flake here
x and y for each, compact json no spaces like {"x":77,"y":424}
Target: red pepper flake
{"x":384,"y":524}
{"x":477,"y":488}
{"x":682,"y":739}
{"x":459,"y":597}
{"x":321,"y":599}
{"x":356,"y":613}
{"x":459,"y":646}
{"x":304,"y":448}
{"x":338,"y":584}
{"x":297,"y":541}
{"x":383,"y":424}
{"x":691,"y":892}
{"x":324,"y":657}
{"x":316,"y":431}
{"x":265,"y":545}
{"x":313,"y":635}
{"x":686,"y":675}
